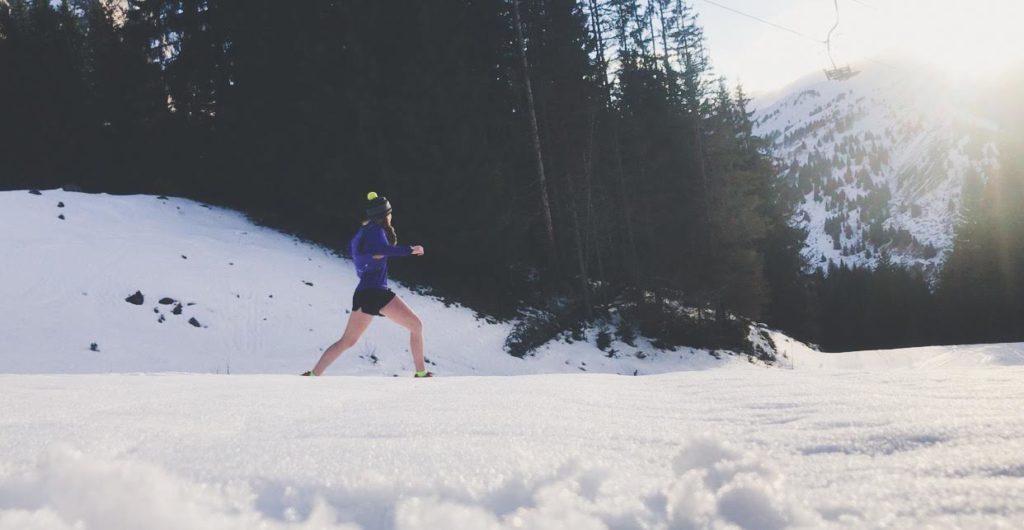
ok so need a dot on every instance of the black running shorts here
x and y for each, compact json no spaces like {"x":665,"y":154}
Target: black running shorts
{"x":371,"y":300}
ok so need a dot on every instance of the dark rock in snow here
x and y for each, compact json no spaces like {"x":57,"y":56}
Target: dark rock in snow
{"x":307,"y":283}
{"x":136,"y":298}
{"x":156,"y":309}
{"x":194,"y":322}
{"x":184,"y":256}
{"x":176,"y":310}
{"x":161,"y":319}
{"x":60,"y":205}
{"x":94,"y":347}
{"x":35,"y":192}
{"x":167,"y":301}
{"x":61,"y":217}
{"x":190,"y":304}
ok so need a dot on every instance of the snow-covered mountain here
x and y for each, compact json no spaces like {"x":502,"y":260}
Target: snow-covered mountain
{"x":100,"y":283}
{"x":879,"y":162}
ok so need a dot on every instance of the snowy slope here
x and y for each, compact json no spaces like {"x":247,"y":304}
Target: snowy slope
{"x":799,"y":356}
{"x":880,"y":161}
{"x":753,"y":449}
{"x":264,"y":302}
{"x":920,"y":438}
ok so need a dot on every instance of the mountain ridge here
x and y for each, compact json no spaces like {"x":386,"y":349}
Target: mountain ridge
{"x":878,"y":164}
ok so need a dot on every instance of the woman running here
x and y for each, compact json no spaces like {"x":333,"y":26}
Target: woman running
{"x":371,"y":247}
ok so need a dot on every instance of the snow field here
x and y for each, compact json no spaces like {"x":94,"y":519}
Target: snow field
{"x":757,"y":449}
{"x":265,"y":302}
{"x":919,"y":438}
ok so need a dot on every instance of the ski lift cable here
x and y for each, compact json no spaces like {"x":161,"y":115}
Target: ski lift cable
{"x":791,"y":30}
{"x":828,"y":40}
{"x":769,"y":23}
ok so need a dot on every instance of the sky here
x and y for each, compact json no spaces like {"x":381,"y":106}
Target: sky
{"x":962,"y":37}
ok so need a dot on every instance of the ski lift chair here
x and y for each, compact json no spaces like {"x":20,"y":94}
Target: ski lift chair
{"x":841,"y":73}
{"x":837,"y":73}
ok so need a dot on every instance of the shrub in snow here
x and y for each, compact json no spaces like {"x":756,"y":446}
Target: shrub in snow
{"x":535,"y":329}
{"x":604,"y":339}
{"x":626,"y":332}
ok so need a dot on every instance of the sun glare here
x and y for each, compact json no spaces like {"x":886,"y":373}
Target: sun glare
{"x":969,"y":38}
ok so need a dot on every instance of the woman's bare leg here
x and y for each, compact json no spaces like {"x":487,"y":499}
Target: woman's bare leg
{"x":357,"y":324}
{"x":404,"y":316}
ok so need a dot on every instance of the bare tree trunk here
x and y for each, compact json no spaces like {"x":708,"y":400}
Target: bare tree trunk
{"x":588,"y":172}
{"x":588,"y":310}
{"x":664,"y":40}
{"x":632,"y":264}
{"x":632,"y":268}
{"x":542,"y":180}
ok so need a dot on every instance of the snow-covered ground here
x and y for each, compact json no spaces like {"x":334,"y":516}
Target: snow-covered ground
{"x":921,"y":438}
{"x":755,"y":449}
{"x":264,"y":302}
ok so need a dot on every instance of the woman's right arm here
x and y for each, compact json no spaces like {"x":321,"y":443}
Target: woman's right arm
{"x":376,"y":244}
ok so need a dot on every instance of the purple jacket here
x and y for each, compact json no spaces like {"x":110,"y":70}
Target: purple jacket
{"x":371,"y":240}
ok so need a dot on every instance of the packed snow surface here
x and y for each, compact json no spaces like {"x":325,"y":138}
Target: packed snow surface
{"x":757,"y":448}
